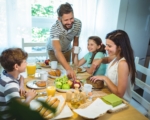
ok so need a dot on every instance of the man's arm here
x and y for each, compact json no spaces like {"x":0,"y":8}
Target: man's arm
{"x":59,"y":55}
{"x":75,"y":43}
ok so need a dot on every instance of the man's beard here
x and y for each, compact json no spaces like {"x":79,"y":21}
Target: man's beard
{"x":65,"y":26}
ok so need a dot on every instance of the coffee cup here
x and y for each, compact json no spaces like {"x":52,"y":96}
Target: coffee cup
{"x":43,"y":76}
{"x":77,"y":49}
{"x":54,"y":64}
{"x":87,"y":88}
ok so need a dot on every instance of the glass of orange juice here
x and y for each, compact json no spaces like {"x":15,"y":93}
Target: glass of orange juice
{"x":51,"y":90}
{"x":31,"y":68}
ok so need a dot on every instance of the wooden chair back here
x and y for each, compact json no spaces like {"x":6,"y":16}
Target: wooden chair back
{"x":140,"y":99}
{"x":35,"y":53}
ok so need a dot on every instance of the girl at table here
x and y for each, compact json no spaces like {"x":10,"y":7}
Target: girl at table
{"x":96,"y":51}
{"x":120,"y":74}
{"x":13,"y":60}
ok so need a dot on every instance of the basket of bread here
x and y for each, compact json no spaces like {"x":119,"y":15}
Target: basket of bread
{"x":56,"y":103}
{"x":97,"y":85}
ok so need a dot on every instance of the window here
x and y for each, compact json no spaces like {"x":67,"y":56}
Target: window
{"x":43,"y":16}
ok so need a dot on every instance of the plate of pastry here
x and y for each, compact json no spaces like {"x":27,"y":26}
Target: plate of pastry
{"x":56,"y":73}
{"x":81,"y":69}
{"x":36,"y":84}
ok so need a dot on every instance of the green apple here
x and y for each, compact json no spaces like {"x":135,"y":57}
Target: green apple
{"x":65,"y":86}
{"x":70,"y":82}
{"x":58,"y":85}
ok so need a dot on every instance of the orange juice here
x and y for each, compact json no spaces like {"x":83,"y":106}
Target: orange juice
{"x":31,"y":68}
{"x":51,"y":90}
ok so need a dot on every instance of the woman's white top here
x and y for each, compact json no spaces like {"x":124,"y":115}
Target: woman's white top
{"x":112,"y":74}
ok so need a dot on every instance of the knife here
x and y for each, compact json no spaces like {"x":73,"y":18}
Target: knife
{"x":41,"y":93}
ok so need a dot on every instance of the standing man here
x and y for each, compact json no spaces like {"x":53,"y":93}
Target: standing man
{"x":62,"y":33}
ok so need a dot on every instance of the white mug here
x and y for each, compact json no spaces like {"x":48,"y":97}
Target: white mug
{"x":53,"y":64}
{"x":43,"y":76}
{"x":87,"y":88}
{"x":77,"y":49}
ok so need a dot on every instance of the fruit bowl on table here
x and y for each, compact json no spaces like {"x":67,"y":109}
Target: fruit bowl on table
{"x":63,"y":84}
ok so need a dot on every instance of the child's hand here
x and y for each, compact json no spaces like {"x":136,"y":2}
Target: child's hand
{"x":29,"y":95}
{"x":22,"y":89}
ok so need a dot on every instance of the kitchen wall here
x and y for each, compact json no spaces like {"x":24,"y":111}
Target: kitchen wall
{"x":134,"y":18}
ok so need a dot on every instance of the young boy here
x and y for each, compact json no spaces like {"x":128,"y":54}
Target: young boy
{"x":13,"y":60}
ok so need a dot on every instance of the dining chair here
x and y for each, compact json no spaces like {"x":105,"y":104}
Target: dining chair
{"x":138,"y":101}
{"x":35,"y":49}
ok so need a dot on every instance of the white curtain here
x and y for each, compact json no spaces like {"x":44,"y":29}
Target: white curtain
{"x":98,"y":18}
{"x":15,"y":22}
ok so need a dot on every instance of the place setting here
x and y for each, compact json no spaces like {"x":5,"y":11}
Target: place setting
{"x":39,"y":77}
{"x":55,"y":72}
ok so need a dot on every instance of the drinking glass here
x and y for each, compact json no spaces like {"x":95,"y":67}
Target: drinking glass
{"x":51,"y":90}
{"x":31,"y":68}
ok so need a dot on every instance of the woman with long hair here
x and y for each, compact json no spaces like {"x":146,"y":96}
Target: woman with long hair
{"x":120,"y":73}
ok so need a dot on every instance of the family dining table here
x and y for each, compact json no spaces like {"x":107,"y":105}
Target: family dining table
{"x":129,"y":113}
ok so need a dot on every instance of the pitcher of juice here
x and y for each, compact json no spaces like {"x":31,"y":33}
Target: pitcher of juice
{"x":31,"y":68}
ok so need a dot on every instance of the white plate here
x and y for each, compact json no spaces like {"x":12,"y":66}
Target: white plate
{"x":64,"y":90}
{"x":31,"y":84}
{"x":63,"y":72}
{"x":83,"y":70}
{"x":65,"y":113}
{"x":45,"y":66}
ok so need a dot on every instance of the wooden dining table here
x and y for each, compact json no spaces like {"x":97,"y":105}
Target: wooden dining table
{"x":129,"y":113}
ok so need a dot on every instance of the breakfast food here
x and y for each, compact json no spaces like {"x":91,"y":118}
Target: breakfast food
{"x":54,"y":102}
{"x":98,"y":84}
{"x":41,"y":83}
{"x":47,"y":61}
{"x":76,"y":83}
{"x":79,"y":69}
{"x":43,"y":110}
{"x":63,"y":83}
{"x":56,"y":72}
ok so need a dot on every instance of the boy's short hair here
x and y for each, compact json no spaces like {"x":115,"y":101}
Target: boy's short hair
{"x":12,"y":56}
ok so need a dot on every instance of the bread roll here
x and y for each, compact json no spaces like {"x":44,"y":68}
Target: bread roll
{"x":51,"y":103}
{"x":56,"y":72}
{"x":54,"y":105}
{"x":98,"y":84}
{"x":79,"y":70}
{"x":41,"y":83}
{"x":39,"y":108}
{"x":43,"y":110}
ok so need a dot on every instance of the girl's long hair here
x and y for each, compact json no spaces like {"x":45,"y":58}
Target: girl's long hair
{"x":98,"y":41}
{"x":121,"y":39}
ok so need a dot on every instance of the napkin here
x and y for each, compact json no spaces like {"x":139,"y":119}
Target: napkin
{"x":95,"y":109}
{"x":112,"y":99}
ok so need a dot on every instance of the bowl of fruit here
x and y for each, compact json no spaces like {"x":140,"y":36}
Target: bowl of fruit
{"x":63,"y":84}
